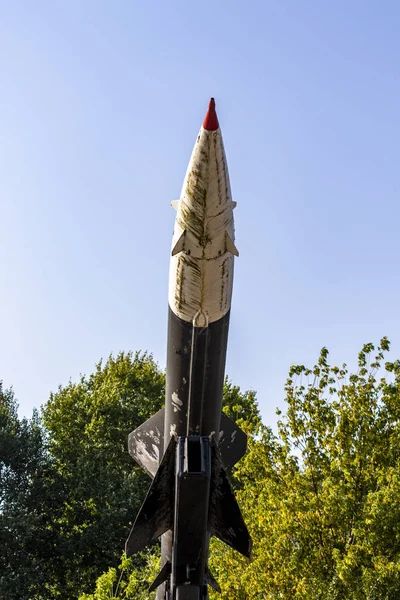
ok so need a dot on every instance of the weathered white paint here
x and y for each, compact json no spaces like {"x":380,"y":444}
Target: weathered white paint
{"x":146,"y":442}
{"x":147,"y":455}
{"x":201,"y":267}
{"x":176,"y":402}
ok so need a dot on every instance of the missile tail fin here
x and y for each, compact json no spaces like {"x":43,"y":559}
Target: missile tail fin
{"x":225,"y":519}
{"x":145,"y":444}
{"x":162,"y":576}
{"x":232,"y":442}
{"x":212,"y":581}
{"x":156,"y":514}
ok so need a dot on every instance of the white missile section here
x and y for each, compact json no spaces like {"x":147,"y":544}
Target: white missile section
{"x":203,"y":249}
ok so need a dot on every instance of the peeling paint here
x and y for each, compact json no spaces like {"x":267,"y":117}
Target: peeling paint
{"x":156,"y":452}
{"x":176,"y":402}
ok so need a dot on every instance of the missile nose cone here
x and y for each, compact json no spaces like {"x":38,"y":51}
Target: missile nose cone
{"x":210,"y":122}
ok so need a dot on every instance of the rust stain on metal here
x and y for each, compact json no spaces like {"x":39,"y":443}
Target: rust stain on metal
{"x":180,"y":277}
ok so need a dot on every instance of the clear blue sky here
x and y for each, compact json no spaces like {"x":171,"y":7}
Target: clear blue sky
{"x":100,"y":104}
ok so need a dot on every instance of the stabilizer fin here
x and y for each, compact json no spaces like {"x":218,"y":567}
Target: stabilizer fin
{"x":175,"y":204}
{"x":180,"y":244}
{"x":225,"y":519}
{"x":234,"y":204}
{"x":212,"y":581}
{"x":230,"y":246}
{"x":156,"y":514}
{"x":146,"y":442}
{"x":161,"y":577}
{"x":232,"y":442}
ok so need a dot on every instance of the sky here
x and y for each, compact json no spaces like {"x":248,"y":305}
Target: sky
{"x":100,"y":105}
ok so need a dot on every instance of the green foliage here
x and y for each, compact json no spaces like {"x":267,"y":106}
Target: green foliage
{"x":130,"y":581}
{"x":322,"y":498}
{"x":30,"y":493}
{"x":241,"y":406}
{"x":88,"y":425}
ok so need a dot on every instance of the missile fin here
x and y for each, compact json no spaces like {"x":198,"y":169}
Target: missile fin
{"x":212,"y":581}
{"x":161,"y":577}
{"x":234,"y":204}
{"x":232,"y":442}
{"x":145,"y":443}
{"x":230,"y":246}
{"x":225,"y":520}
{"x":180,"y":244}
{"x":156,"y":514}
{"x":175,"y":204}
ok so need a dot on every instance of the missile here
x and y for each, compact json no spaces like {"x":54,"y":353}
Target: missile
{"x":190,"y":445}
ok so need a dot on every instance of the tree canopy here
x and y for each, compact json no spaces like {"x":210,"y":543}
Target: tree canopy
{"x":88,"y":425}
{"x":31,"y":561}
{"x":320,"y":495}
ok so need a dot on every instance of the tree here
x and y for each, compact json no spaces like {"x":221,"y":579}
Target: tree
{"x":130,"y":580}
{"x":88,"y":425}
{"x":30,"y":500}
{"x":241,"y":407}
{"x":322,"y":497}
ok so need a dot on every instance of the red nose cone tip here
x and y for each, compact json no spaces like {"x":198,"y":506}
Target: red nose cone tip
{"x":210,"y":122}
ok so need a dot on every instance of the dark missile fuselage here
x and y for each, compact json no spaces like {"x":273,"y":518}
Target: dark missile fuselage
{"x":194,"y":384}
{"x":195,"y":376}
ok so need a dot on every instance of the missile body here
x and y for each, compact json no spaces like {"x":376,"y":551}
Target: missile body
{"x":188,"y":446}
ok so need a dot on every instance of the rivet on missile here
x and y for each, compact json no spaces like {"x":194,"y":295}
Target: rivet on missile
{"x":229,"y":245}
